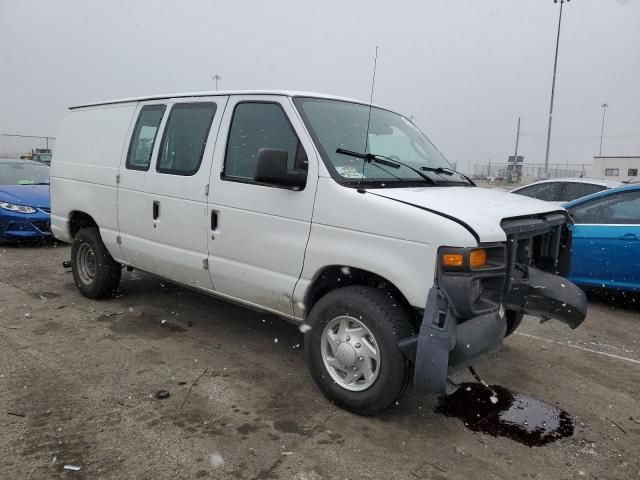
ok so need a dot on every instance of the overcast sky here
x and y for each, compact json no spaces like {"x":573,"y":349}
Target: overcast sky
{"x":464,"y":69}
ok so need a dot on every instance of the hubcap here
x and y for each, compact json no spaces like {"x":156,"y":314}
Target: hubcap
{"x":350,"y":353}
{"x":86,"y":261}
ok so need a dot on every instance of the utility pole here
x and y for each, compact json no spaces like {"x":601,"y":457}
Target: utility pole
{"x":604,"y":111}
{"x":512,"y":172}
{"x":216,"y":77}
{"x":553,"y":88}
{"x":515,"y":154}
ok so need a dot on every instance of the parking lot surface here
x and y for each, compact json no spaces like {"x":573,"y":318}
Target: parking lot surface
{"x":78,"y":380}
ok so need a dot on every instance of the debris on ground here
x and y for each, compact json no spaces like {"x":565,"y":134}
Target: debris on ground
{"x":192,"y":385}
{"x":162,"y":394}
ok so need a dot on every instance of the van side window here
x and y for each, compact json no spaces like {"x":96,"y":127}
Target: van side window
{"x":144,"y":137}
{"x":185,"y":138}
{"x":257,"y":125}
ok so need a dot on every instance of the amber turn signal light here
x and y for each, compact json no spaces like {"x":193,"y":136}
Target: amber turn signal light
{"x":477,"y":258}
{"x":452,"y":260}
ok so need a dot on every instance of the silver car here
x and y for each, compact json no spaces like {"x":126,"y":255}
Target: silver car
{"x":562,"y":190}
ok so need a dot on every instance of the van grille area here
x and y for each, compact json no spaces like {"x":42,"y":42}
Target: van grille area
{"x":541,"y":241}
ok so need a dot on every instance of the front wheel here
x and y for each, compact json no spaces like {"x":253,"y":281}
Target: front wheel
{"x":352,"y":348}
{"x":95,"y":272}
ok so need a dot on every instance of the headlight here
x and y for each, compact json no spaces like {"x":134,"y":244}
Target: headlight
{"x":17,"y":208}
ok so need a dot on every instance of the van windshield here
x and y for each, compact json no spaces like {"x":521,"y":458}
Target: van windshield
{"x":340,"y":125}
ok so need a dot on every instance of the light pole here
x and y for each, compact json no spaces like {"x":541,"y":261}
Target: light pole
{"x":604,"y":112}
{"x":216,"y":77}
{"x":553,"y":88}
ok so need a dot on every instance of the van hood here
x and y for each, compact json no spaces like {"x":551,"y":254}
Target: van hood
{"x":479,"y":209}
{"x":29,"y":195}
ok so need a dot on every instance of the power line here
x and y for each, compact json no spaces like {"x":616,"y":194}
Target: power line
{"x":591,"y":137}
{"x":25,"y":136}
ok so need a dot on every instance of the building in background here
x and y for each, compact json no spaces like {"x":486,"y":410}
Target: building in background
{"x":621,"y":168}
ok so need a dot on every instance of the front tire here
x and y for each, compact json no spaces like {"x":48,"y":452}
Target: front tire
{"x":352,"y":348}
{"x":96,"y":273}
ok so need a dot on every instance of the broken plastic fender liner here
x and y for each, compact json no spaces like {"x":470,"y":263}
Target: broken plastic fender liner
{"x":432,"y":354}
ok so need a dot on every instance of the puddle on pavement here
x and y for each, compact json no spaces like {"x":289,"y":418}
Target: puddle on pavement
{"x":516,"y":416}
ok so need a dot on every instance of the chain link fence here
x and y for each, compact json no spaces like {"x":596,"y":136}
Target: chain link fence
{"x":528,"y":172}
{"x":14,"y":145}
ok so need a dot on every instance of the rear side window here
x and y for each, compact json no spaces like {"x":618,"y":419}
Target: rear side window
{"x":144,"y":137}
{"x":619,"y":209}
{"x":257,"y":125}
{"x":543,"y":191}
{"x":185,"y":138}
{"x":578,"y":190}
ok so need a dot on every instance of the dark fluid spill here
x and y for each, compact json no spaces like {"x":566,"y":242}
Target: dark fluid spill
{"x":513,"y":415}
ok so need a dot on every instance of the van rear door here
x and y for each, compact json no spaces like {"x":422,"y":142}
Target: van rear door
{"x":137,"y":233}
{"x":169,"y":211}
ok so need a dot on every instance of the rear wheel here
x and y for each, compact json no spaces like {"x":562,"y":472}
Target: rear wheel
{"x":352,"y":348}
{"x":95,"y":272}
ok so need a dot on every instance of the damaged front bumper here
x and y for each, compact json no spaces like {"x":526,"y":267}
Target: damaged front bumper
{"x":547,"y":296}
{"x":447,"y":342}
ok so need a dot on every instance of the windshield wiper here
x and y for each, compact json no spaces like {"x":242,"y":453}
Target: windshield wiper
{"x":440,"y":170}
{"x":447,"y":171}
{"x":390,"y":162}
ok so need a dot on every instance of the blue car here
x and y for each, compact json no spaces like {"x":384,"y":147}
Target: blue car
{"x":606,"y":239}
{"x":24,"y":201}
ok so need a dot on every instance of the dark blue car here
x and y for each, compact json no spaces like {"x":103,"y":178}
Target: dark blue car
{"x":606,"y":239}
{"x":24,"y":201}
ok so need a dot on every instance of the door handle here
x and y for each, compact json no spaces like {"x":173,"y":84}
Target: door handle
{"x":630,"y":237}
{"x":214,"y":220}
{"x":156,"y":209}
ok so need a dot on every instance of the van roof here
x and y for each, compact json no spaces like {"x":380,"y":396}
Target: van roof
{"x":286,"y":93}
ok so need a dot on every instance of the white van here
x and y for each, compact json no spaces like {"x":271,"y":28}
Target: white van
{"x":323,"y":210}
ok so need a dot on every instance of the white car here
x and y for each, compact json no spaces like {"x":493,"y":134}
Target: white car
{"x":394,"y":263}
{"x":563,"y":190}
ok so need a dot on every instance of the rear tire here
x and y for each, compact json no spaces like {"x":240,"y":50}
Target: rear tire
{"x":513,"y":321}
{"x":96,"y":273}
{"x":352,"y":348}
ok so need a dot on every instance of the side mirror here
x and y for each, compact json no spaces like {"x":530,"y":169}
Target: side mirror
{"x":271,"y":167}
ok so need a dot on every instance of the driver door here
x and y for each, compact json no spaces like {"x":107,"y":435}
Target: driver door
{"x":258,"y":232}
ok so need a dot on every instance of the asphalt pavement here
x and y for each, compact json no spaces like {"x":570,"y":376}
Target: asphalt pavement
{"x":78,"y":384}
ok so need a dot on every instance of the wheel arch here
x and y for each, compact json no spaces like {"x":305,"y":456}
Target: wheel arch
{"x":332,"y":277}
{"x":79,"y":220}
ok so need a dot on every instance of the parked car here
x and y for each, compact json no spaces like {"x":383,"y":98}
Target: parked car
{"x":561,"y":190}
{"x":24,"y":200}
{"x":606,"y":239}
{"x":42,"y":156}
{"x":325,"y":211}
